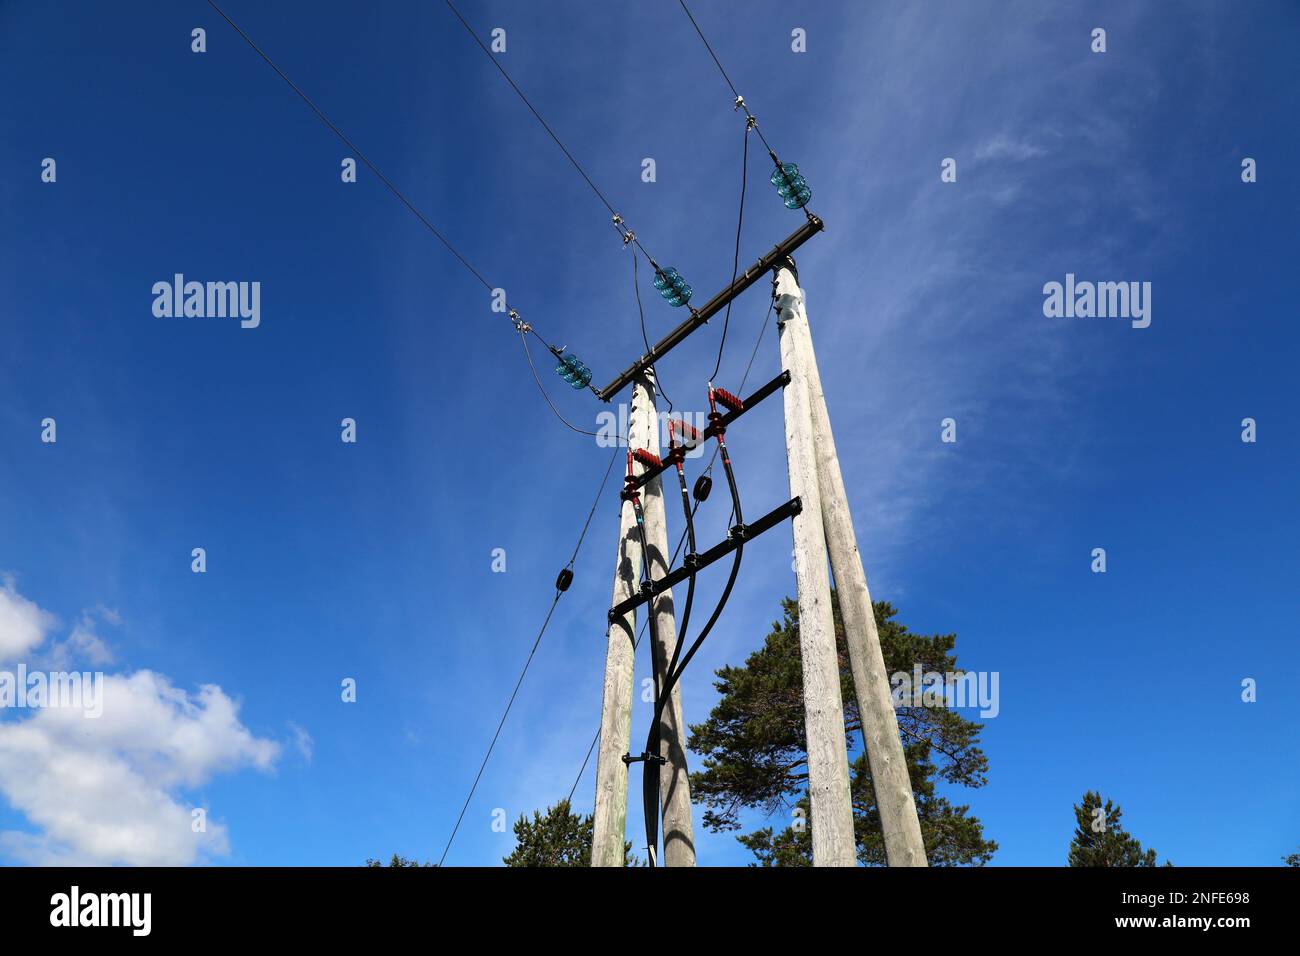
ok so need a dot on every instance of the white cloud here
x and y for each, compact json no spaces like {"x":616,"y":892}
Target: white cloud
{"x":23,"y":625}
{"x":111,"y":790}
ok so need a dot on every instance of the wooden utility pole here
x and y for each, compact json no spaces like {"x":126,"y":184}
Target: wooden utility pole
{"x":674,"y":784}
{"x":828,"y":766}
{"x":610,"y":823}
{"x":902,"y":829}
{"x":610,"y":815}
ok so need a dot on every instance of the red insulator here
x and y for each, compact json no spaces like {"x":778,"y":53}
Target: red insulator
{"x":646,"y":458}
{"x":728,"y":400}
{"x":688,"y":430}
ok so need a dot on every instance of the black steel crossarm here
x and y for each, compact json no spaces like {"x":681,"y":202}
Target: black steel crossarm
{"x":739,"y":535}
{"x":786,"y":247}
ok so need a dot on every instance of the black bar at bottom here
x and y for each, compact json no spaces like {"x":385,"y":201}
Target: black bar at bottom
{"x":747,"y":533}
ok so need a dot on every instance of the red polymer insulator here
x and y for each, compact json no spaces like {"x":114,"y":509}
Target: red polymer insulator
{"x":728,"y":400}
{"x":646,"y":458}
{"x":688,"y":430}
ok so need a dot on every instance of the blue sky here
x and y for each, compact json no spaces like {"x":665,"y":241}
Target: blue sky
{"x":373,"y":560}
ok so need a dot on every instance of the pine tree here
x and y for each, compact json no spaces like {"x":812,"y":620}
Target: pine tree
{"x":559,"y":838}
{"x":754,"y":749}
{"x":1099,"y":840}
{"x":397,"y":860}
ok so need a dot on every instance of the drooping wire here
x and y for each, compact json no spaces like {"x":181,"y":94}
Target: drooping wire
{"x":424,"y":220}
{"x":523,"y":338}
{"x":740,"y":104}
{"x":628,"y":235}
{"x":735,"y":261}
{"x":536,"y":643}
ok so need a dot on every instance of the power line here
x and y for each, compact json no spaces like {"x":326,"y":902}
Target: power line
{"x":740,"y":100}
{"x":352,"y":146}
{"x":536,"y":643}
{"x":513,"y":315}
{"x":627,"y":234}
{"x":735,"y":260}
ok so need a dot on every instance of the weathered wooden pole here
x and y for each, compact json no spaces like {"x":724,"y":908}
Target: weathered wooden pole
{"x":610,"y":815}
{"x":828,"y":766}
{"x":674,"y":785}
{"x":902,"y":829}
{"x":616,"y":710}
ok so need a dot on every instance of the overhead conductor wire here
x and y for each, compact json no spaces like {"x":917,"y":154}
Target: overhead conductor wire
{"x":520,"y":326}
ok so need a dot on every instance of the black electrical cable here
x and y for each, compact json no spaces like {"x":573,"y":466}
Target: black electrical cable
{"x":650,"y":787}
{"x":675,"y":672}
{"x":735,"y":261}
{"x":635,"y":644}
{"x":536,"y":643}
{"x":651,"y":756}
{"x":672,"y":678}
{"x":689,"y":513}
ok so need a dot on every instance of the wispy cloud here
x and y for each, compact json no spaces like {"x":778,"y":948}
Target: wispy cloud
{"x":1004,"y":147}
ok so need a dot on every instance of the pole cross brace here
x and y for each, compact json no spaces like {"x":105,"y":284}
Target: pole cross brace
{"x":735,"y":538}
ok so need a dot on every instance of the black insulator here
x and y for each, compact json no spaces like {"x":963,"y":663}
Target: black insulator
{"x":703,"y":485}
{"x":564,"y":580}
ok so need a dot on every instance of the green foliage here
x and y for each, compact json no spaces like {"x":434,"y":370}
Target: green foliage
{"x":397,"y":861}
{"x":560,"y":838}
{"x":1292,"y":860}
{"x":755,"y":755}
{"x":1099,"y":840}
